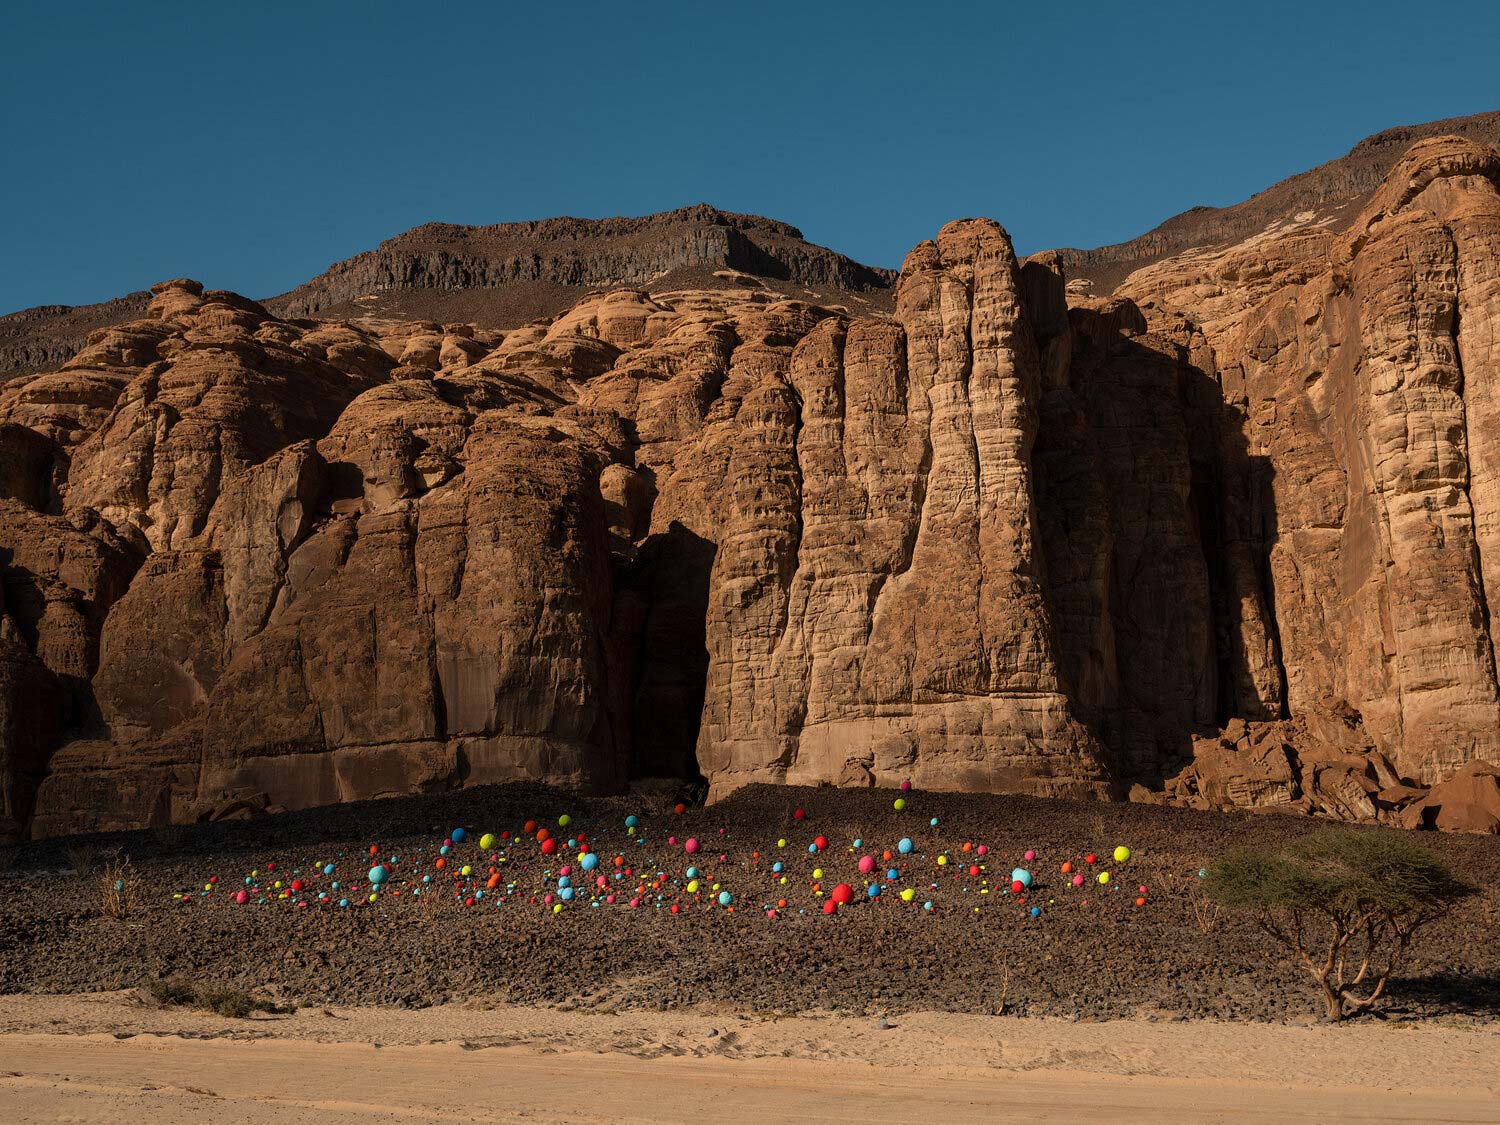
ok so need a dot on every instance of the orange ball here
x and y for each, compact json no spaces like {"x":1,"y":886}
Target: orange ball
{"x":530,"y":827}
{"x":680,"y":808}
{"x":1067,"y":869}
{"x":968,"y":847}
{"x":441,"y":862}
{"x":1141,"y":901}
{"x":374,"y":850}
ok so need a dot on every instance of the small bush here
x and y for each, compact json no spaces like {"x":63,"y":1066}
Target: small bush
{"x":117,"y":887}
{"x":233,"y":1003}
{"x":1348,"y":904}
{"x":170,"y":992}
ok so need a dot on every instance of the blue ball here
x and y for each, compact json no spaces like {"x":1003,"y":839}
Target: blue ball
{"x":567,"y":894}
{"x":478,"y":895}
{"x":725,"y":898}
{"x":933,"y":822}
{"x":377,"y":875}
{"x":632,"y":821}
{"x":589,"y":862}
{"x":445,"y":850}
{"x":425,"y":879}
{"x":564,"y":881}
{"x":692,"y":872}
{"x":893,"y":874}
{"x":905,"y":846}
{"x":1036,"y":911}
{"x":812,"y":849}
{"x":343,"y":902}
{"x":328,"y":869}
{"x":458,"y":835}
{"x":874,"y":891}
{"x":778,"y":867}
{"x":859,"y":843}
{"x":1022,"y":876}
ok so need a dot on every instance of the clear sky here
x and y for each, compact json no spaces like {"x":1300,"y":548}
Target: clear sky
{"x":250,"y":144}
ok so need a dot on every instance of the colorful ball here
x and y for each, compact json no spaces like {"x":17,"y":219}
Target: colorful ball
{"x":866,"y":864}
{"x":377,"y":876}
{"x":589,"y":861}
{"x":725,"y":898}
{"x":632,"y":821}
{"x":549,"y":846}
{"x":1122,"y":853}
{"x":899,"y":804}
{"x":1104,"y":876}
{"x":1022,"y":876}
{"x":459,"y":835}
{"x":905,"y":847}
{"x":906,"y":787}
{"x":843,"y":894}
{"x":487,"y":841}
{"x":691,"y":846}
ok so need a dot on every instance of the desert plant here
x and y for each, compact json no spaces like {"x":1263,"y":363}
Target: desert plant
{"x":1349,"y":904}
{"x":1205,"y":911}
{"x":82,"y":857}
{"x":117,"y":887}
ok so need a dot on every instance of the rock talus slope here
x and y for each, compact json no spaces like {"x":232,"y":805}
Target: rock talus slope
{"x":1224,"y":538}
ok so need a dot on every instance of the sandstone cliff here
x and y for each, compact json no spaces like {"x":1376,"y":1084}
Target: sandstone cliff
{"x":1224,"y":538}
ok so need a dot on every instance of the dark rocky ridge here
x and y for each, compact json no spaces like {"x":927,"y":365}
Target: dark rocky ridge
{"x":583,"y":253}
{"x":47,"y":336}
{"x":1337,"y":189}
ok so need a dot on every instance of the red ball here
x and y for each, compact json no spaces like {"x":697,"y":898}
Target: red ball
{"x":800,"y":814}
{"x":1017,"y":887}
{"x":549,"y":846}
{"x":676,"y":909}
{"x":843,"y":894}
{"x":973,"y":869}
{"x":822,"y":842}
{"x":830,"y":907}
{"x":1090,"y":858}
{"x":296,"y":884}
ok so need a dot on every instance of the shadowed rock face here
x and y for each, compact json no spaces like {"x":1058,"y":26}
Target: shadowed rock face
{"x":1221,"y":539}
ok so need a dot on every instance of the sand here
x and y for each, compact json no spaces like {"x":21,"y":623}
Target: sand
{"x":113,"y":1057}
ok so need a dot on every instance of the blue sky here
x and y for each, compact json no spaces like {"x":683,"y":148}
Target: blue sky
{"x":250,"y":145}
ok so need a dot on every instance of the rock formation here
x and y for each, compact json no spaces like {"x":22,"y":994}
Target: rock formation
{"x":1223,"y":538}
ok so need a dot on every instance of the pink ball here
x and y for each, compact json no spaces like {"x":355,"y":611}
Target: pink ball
{"x":565,"y":869}
{"x":983,"y":850}
{"x":635,"y":902}
{"x":770,"y":913}
{"x":906,"y":787}
{"x":602,"y":882}
{"x":1078,"y":880}
{"x":548,"y":900}
{"x":242,"y":897}
{"x":609,"y":898}
{"x":1030,"y":854}
{"x":866,"y":864}
{"x":672,"y":840}
{"x":692,"y":846}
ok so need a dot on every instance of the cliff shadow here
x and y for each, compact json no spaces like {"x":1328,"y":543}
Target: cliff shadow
{"x":668,"y":582}
{"x":1151,"y":517}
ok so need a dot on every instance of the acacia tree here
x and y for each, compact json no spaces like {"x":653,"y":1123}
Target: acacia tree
{"x":1347,"y":903}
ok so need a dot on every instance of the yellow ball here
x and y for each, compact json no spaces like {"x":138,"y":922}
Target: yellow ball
{"x":908,"y":894}
{"x":373,"y":896}
{"x":942,"y":861}
{"x":564,"y":820}
{"x":466,"y":870}
{"x":692,"y":886}
{"x":557,"y":908}
{"x":781,"y":843}
{"x":1104,"y":876}
{"x":487,"y":841}
{"x":817,"y":872}
{"x":783,"y":880}
{"x":208,"y":886}
{"x":278,"y":884}
{"x":1122,"y":853}
{"x":900,"y":804}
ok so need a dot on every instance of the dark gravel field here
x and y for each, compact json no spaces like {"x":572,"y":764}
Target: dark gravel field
{"x":1091,"y":953}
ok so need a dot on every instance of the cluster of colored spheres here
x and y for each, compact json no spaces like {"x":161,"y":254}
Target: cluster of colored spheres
{"x":632,"y":864}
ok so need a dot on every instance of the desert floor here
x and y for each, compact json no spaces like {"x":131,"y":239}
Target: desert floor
{"x":114,"y":1057}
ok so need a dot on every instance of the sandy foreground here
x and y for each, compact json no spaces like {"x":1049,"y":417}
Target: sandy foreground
{"x":112,"y":1058}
